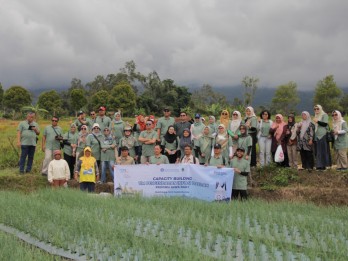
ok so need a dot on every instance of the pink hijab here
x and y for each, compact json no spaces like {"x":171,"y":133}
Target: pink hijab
{"x":278,"y":133}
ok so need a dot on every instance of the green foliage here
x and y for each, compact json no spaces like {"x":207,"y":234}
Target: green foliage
{"x":275,"y":176}
{"x":344,"y":104}
{"x":51,"y":101}
{"x":100,"y":98}
{"x":38,"y":111}
{"x":1,"y":96}
{"x":123,"y":98}
{"x":328,"y":94}
{"x":285,"y":98}
{"x":16,"y":97}
{"x":250,"y":87}
{"x":77,"y":99}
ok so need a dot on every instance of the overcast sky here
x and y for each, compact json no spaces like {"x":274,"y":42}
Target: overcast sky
{"x":46,"y":43}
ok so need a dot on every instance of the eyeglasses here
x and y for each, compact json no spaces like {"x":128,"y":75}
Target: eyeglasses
{"x":106,"y":130}
{"x":221,"y":128}
{"x":96,"y":128}
{"x":235,"y":114}
{"x":224,"y":113}
{"x":55,"y":120}
{"x":182,"y":115}
{"x":335,"y":114}
{"x":92,"y":114}
{"x":316,"y":109}
{"x":148,"y":124}
{"x":83,"y":129}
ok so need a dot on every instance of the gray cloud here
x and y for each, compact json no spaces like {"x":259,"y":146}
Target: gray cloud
{"x":47,"y":43}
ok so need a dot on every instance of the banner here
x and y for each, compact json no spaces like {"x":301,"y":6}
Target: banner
{"x":185,"y":180}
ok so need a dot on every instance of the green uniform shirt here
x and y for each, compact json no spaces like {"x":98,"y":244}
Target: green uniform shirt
{"x":171,"y":146}
{"x":81,"y":144}
{"x":109,"y":154}
{"x":130,"y":142}
{"x":321,"y":131}
{"x":205,"y":144}
{"x":28,"y":137}
{"x":90,"y":123}
{"x":103,"y":122}
{"x":117,"y":130}
{"x":217,"y":161}
{"x":147,"y":149}
{"x":78,"y":123}
{"x":162,"y":159}
{"x":245,"y":142}
{"x":342,"y":142}
{"x":94,"y":144}
{"x":253,"y":124}
{"x":163,"y":123}
{"x":50,"y":134}
{"x":240,"y":181}
{"x":264,"y":128}
{"x":72,"y":138}
{"x":125,"y":161}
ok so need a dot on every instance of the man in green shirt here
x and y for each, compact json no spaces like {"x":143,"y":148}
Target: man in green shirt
{"x":148,"y":139}
{"x":103,"y":120}
{"x":241,"y":169}
{"x":27,"y":133}
{"x":217,"y":159}
{"x":51,"y":139}
{"x":158,"y":158}
{"x":163,"y":123}
{"x":124,"y":159}
{"x":81,"y":120}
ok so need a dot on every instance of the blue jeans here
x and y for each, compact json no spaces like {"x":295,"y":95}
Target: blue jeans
{"x":106,"y":164}
{"x":89,"y":186}
{"x":27,"y":151}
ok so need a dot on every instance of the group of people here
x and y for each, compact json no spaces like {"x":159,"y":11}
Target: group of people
{"x":100,"y":142}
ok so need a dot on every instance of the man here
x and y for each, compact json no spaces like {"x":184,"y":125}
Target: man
{"x":58,"y":170}
{"x":51,"y":141}
{"x":92,"y":119}
{"x":217,"y":159}
{"x":125,"y":159}
{"x":241,"y":168}
{"x":102,"y":119}
{"x":81,"y":120}
{"x":70,"y":144}
{"x":158,"y":158}
{"x":188,"y":158}
{"x":148,"y":139}
{"x":27,"y":133}
{"x":163,"y":123}
{"x":182,"y":124}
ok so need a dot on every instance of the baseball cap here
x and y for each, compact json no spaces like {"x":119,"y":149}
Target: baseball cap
{"x":197,"y":115}
{"x":79,"y":113}
{"x":217,"y":146}
{"x":241,"y":149}
{"x":102,"y":108}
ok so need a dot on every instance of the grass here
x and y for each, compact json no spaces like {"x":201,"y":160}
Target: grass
{"x":176,"y":228}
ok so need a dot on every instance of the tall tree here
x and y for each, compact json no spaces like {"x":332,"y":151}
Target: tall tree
{"x":78,"y":99}
{"x":328,"y":94}
{"x":98,"y":99}
{"x":51,"y":101}
{"x":206,"y":96}
{"x":38,"y":111}
{"x":250,"y":87}
{"x":123,"y":98}
{"x":76,"y":84}
{"x":285,"y":98}
{"x":344,"y":104}
{"x":1,"y":96}
{"x":16,"y":97}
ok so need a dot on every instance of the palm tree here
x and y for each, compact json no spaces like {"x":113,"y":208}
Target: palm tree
{"x":38,"y":111}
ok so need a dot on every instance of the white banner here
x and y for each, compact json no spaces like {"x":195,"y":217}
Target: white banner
{"x":186,"y":180}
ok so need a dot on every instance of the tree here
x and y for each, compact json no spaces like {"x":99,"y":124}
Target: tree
{"x":285,"y":98}
{"x":344,"y":104}
{"x":77,"y":99}
{"x":38,"y":111}
{"x":250,"y":87}
{"x":1,"y":96}
{"x":100,"y":98}
{"x":16,"y":97}
{"x":51,"y":101}
{"x":76,"y":84}
{"x":328,"y":94}
{"x":123,"y":98}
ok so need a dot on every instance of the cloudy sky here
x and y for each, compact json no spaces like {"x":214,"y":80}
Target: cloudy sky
{"x":46,"y":43}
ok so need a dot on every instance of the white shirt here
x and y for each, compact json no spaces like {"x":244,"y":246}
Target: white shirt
{"x":58,"y":170}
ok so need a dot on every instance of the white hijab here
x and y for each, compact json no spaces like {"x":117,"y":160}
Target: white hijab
{"x":337,"y":124}
{"x":305,"y":123}
{"x":235,"y":123}
{"x":318,"y":115}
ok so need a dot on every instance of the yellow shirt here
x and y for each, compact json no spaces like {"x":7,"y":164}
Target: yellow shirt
{"x":87,"y":171}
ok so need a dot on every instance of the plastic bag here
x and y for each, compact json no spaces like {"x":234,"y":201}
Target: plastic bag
{"x":279,"y":155}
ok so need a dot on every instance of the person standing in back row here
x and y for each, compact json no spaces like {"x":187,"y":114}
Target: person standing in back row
{"x":27,"y":133}
{"x":102,"y":119}
{"x":163,"y":123}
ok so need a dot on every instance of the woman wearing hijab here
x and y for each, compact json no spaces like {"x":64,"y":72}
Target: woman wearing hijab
{"x":108,"y":154}
{"x":277,"y":132}
{"x":139,"y":126}
{"x":245,"y":141}
{"x":339,"y":129}
{"x":184,"y":141}
{"x":225,"y":119}
{"x":305,"y":136}
{"x":69,"y":148}
{"x":212,"y":125}
{"x":196,"y":131}
{"x":225,"y":141}
{"x":81,"y":141}
{"x":170,"y":143}
{"x":264,"y":137}
{"x":204,"y":146}
{"x":233,"y":130}
{"x":322,"y":148}
{"x":291,"y":140}
{"x":94,"y":140}
{"x":87,"y":170}
{"x":117,"y":127}
{"x":250,"y":122}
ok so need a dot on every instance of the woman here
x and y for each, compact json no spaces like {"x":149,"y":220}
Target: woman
{"x":322,"y":148}
{"x":87,"y":170}
{"x":117,"y":127}
{"x":184,"y":141}
{"x":264,"y":137}
{"x":196,"y":131}
{"x":250,"y":122}
{"x":131,"y":143}
{"x":245,"y":142}
{"x":204,"y":146}
{"x":277,"y":132}
{"x":233,"y":131}
{"x":291,"y":141}
{"x":94,"y":142}
{"x":69,"y":148}
{"x":139,"y":126}
{"x":81,"y":141}
{"x":170,"y":143}
{"x":341,"y":142}
{"x":108,"y":154}
{"x":225,"y":141}
{"x":212,"y":125}
{"x":305,"y":136}
{"x":225,"y":119}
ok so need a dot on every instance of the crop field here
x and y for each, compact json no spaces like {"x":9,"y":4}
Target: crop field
{"x":99,"y":228}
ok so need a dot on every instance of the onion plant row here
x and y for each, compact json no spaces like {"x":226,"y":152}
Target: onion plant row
{"x":176,"y":228}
